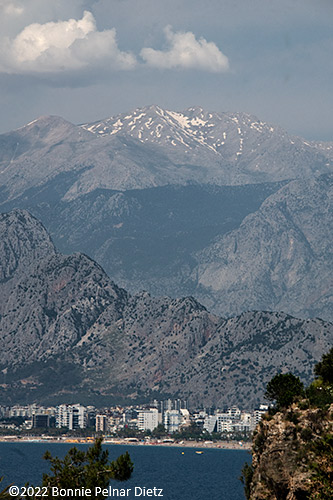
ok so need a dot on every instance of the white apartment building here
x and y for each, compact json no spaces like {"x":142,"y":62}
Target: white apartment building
{"x":234,"y":413}
{"x":210,"y":423}
{"x":185,"y":414}
{"x":71,"y":416}
{"x":245,"y":423}
{"x":224,"y":423}
{"x":114,"y":423}
{"x":101,"y":423}
{"x":257,"y":415}
{"x":172,"y":420}
{"x":234,"y":420}
{"x":148,"y":419}
{"x":23,"y":411}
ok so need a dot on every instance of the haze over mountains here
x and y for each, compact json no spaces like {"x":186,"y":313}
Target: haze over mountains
{"x":68,"y":332}
{"x":153,"y":147}
{"x":281,"y":255}
{"x":216,"y":207}
{"x":221,"y":206}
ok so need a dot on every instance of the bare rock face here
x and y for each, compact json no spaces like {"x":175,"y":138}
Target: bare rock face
{"x":47,"y":299}
{"x":21,"y":243}
{"x":234,"y":248}
{"x":278,"y":259}
{"x":66,"y":328}
{"x":288,"y":452}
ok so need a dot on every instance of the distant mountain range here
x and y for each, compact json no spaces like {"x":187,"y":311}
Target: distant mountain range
{"x":67,"y":332}
{"x":152,"y":147}
{"x":220,"y":206}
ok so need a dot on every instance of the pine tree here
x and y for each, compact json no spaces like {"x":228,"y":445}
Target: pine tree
{"x":4,"y":495}
{"x":87,"y":469}
{"x":284,"y":388}
{"x":83,"y":469}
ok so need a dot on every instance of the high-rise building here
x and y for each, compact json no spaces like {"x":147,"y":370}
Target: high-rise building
{"x":40,"y":420}
{"x":224,"y":422}
{"x":172,"y":420}
{"x":257,"y":415}
{"x":101,"y":423}
{"x":147,"y":419}
{"x":210,"y":423}
{"x":71,"y":416}
{"x":172,"y":404}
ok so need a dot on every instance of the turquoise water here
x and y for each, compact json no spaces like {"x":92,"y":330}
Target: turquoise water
{"x":189,"y":476}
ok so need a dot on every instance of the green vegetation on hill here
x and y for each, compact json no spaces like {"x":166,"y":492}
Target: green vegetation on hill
{"x":292,"y":453}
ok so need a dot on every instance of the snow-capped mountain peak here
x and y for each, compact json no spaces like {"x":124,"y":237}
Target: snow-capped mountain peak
{"x":152,"y":146}
{"x":187,"y":130}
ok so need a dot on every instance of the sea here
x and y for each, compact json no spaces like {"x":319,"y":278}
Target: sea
{"x":174,"y":472}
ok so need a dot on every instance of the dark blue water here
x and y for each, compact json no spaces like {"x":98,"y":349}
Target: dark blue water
{"x":210,"y":476}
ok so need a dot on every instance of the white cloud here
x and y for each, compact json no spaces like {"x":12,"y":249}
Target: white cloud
{"x":63,"y":46}
{"x":186,"y":52}
{"x":10,"y":8}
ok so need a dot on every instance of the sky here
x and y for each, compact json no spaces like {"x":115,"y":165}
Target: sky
{"x":88,"y":60}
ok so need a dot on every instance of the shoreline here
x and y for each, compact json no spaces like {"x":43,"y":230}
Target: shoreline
{"x":219,"y":445}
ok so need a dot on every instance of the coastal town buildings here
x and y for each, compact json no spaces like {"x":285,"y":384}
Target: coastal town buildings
{"x":233,"y":420}
{"x":40,"y":420}
{"x":171,"y":413}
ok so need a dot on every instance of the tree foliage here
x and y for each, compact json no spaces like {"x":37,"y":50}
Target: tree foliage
{"x":4,"y":494}
{"x":322,"y":449}
{"x":246,"y":479}
{"x":159,"y":431}
{"x":87,"y":468}
{"x":320,"y":392}
{"x":284,"y":388}
{"x":324,"y":369}
{"x":193,"y":431}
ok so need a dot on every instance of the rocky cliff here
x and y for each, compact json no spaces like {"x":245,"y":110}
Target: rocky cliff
{"x":293,"y":444}
{"x":292,"y":456}
{"x":278,"y":259}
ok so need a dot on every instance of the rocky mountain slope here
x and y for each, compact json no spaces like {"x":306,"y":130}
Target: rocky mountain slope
{"x":280,"y":258}
{"x":66,"y":330}
{"x":234,"y":248}
{"x":182,"y":230}
{"x":152,"y":147}
{"x":47,"y":300}
{"x":145,"y":239}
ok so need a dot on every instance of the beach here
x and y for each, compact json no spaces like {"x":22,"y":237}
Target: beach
{"x":223,"y":445}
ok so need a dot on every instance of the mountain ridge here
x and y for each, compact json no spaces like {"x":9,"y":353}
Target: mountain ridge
{"x":66,"y":328}
{"x":263,"y":247}
{"x":155,"y":147}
